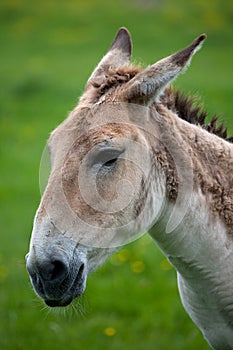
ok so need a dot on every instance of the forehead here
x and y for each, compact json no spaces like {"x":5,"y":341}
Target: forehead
{"x":90,"y":126}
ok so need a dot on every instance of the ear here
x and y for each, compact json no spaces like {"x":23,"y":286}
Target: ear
{"x":149,"y":84}
{"x":119,"y":54}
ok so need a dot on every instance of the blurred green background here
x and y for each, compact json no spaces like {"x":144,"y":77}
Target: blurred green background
{"x":47,"y":51}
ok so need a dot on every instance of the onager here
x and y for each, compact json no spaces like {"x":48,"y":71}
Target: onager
{"x":135,"y":155}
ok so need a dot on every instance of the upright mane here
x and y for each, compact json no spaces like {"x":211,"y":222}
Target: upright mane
{"x":189,"y":109}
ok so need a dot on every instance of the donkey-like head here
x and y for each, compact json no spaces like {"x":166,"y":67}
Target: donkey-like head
{"x":106,"y":185}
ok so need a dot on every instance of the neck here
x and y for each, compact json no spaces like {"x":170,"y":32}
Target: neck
{"x":194,"y":161}
{"x":199,"y":243}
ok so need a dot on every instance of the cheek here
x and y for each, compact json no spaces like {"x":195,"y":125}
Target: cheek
{"x":105,"y":199}
{"x":107,"y":183}
{"x":120,"y":184}
{"x":129,"y":192}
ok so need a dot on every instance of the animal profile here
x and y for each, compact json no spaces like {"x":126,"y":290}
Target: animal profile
{"x":136,"y":155}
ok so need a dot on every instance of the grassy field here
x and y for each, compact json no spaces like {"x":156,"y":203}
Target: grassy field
{"x":48,"y":50}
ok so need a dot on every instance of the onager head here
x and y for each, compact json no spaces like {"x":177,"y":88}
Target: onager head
{"x":108,"y":181}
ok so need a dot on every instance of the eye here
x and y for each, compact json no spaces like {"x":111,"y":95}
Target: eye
{"x":110,"y":162}
{"x":107,"y":158}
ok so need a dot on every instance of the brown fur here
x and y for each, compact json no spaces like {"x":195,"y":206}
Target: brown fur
{"x":186,"y":107}
{"x":212,"y":160}
{"x":189,"y":109}
{"x":113,"y":79}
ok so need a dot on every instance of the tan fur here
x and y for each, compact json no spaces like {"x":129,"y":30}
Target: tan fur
{"x":135,"y":155}
{"x":212,"y":157}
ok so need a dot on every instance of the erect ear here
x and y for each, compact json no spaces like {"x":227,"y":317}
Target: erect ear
{"x":119,"y":54}
{"x":149,"y":84}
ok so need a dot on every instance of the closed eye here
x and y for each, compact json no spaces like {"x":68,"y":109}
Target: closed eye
{"x":110,"y":162}
{"x":107,"y":158}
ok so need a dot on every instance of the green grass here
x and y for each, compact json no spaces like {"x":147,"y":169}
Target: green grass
{"x":48,"y":50}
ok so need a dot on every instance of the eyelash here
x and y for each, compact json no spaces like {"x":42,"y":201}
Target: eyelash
{"x":107,"y":158}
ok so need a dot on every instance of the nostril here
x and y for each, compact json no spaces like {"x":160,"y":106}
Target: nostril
{"x":53,"y":271}
{"x":59,"y":270}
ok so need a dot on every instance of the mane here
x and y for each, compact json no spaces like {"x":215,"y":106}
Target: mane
{"x":189,"y":109}
{"x":186,"y":107}
{"x":114,"y":78}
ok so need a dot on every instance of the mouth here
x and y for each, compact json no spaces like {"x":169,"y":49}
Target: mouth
{"x":58,"y":303}
{"x":67,"y":298}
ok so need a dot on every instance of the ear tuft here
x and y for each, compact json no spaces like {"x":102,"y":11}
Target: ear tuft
{"x":122,"y":42}
{"x":148,"y":85}
{"x":183,"y":57}
{"x":117,"y":56}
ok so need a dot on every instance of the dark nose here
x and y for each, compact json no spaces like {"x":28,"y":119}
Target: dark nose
{"x":48,"y":276}
{"x":53,"y":271}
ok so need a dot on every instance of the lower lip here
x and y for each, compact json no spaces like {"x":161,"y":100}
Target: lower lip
{"x":58,"y":303}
